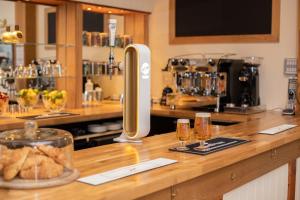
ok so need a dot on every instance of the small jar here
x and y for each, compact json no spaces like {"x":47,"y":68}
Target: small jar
{"x":95,"y":39}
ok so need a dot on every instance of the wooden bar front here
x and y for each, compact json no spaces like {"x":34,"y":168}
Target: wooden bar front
{"x":193,"y":177}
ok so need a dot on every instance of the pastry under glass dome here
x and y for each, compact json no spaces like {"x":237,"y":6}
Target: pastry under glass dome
{"x":36,"y":154}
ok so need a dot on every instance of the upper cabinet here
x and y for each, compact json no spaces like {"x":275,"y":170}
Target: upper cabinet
{"x":129,"y":23}
{"x":218,"y":21}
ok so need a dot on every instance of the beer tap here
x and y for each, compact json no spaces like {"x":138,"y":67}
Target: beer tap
{"x":111,"y":62}
{"x":112,"y":35}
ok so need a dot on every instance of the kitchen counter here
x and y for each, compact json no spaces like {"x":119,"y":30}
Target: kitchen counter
{"x":193,"y":177}
{"x":111,"y":110}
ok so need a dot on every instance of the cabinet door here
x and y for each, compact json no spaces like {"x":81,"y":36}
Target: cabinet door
{"x":273,"y":185}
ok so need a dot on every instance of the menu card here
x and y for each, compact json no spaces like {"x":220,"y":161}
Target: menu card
{"x":122,"y":172}
{"x":277,"y":129}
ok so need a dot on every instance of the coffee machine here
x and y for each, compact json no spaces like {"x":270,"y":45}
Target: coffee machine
{"x":195,"y":82}
{"x":218,"y":84}
{"x":242,"y":94}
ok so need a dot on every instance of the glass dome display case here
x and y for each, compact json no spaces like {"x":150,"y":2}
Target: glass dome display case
{"x":36,"y":157}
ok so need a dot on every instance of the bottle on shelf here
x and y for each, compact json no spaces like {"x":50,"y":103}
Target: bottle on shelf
{"x":6,"y":36}
{"x":98,"y":93}
{"x":89,"y":86}
{"x":58,"y":69}
{"x":89,"y":92}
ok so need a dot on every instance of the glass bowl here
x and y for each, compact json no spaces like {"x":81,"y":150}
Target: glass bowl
{"x":28,"y":98}
{"x":54,"y":101}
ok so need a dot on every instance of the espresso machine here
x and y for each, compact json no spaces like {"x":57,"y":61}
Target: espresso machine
{"x":196,"y":81}
{"x":219,"y":84}
{"x":242,"y":85}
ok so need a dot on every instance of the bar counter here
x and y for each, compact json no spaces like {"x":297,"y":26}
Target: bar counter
{"x":110,"y":110}
{"x":193,"y":177}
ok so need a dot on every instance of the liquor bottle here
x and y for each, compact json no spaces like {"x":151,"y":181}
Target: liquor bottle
{"x":6,"y":36}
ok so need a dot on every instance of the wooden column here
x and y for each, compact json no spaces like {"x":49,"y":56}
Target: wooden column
{"x":69,"y":32}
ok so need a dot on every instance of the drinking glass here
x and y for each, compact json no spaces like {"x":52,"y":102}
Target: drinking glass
{"x":183,"y":133}
{"x":202,"y":129}
{"x":171,"y":100}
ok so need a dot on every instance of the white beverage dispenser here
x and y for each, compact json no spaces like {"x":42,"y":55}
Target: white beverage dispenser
{"x":137,"y":99}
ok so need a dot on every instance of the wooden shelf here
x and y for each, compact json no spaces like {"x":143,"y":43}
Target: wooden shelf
{"x":36,"y":44}
{"x":94,"y":135}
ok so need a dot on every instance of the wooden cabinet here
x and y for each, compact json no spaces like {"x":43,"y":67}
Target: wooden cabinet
{"x":273,"y":185}
{"x":266,"y":176}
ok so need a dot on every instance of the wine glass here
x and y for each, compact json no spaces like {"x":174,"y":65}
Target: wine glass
{"x":202,"y":129}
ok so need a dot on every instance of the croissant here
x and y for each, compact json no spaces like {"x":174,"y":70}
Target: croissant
{"x":40,"y":167}
{"x":56,"y":154}
{"x":5,"y":155}
{"x":15,"y":162}
{"x":33,"y":160}
{"x":36,"y":151}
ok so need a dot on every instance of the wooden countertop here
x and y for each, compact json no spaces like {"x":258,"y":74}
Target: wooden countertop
{"x":104,"y":111}
{"x":103,"y":158}
{"x":111,"y":110}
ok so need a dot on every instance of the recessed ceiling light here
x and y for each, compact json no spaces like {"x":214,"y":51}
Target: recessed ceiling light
{"x":89,"y":8}
{"x":109,"y":12}
{"x":99,"y":7}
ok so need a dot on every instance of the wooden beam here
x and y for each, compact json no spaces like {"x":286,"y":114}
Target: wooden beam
{"x":61,"y":2}
{"x":292,"y":180}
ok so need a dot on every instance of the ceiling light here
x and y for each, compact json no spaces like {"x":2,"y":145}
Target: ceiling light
{"x":89,"y":8}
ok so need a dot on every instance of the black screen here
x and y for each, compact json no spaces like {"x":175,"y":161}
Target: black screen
{"x":52,"y":28}
{"x":92,"y":22}
{"x":223,"y":17}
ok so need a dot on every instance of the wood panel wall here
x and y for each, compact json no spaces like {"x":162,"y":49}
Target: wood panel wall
{"x":137,"y":25}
